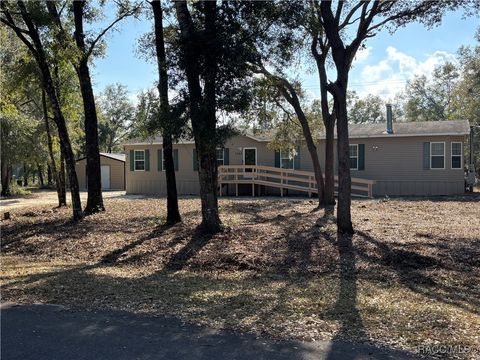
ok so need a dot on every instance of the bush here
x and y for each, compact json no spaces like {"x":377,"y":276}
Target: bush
{"x":18,"y":190}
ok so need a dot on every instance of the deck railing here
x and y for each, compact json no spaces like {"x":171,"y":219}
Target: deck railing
{"x":279,"y":178}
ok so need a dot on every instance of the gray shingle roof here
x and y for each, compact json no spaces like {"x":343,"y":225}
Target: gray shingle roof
{"x":420,"y":128}
{"x":157,"y":139}
{"x":400,"y":129}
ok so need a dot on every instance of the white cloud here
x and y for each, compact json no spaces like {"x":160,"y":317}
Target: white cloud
{"x":374,"y":72}
{"x":389,"y":75}
{"x":362,"y":55}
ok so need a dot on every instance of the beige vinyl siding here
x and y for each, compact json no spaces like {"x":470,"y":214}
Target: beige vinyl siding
{"x":265,"y":156}
{"x":397,"y":166}
{"x":117,"y":172}
{"x":154,"y":181}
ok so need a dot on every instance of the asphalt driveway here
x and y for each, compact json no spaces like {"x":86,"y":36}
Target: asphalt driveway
{"x":41,"y":332}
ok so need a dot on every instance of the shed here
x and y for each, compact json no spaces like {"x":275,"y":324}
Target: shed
{"x":112,"y":171}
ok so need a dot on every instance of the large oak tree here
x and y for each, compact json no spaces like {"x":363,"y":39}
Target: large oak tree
{"x":346,"y":26}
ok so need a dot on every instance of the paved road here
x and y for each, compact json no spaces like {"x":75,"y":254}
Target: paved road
{"x":41,"y":332}
{"x":48,"y":197}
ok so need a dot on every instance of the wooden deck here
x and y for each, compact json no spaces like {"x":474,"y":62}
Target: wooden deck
{"x":279,"y":178}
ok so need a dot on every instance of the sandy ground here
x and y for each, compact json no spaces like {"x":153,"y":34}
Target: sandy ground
{"x":407,"y":279}
{"x":49,"y":197}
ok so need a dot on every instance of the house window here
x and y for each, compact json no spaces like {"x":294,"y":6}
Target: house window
{"x":354,"y":157}
{"x":437,"y":155}
{"x":139,"y":156}
{"x":287,"y":159}
{"x":220,"y":157}
{"x":457,"y":155}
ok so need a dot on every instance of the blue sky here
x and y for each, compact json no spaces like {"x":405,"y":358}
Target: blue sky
{"x":383,"y":68}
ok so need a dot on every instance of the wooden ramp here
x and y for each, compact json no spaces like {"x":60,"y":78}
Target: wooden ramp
{"x":297,"y":180}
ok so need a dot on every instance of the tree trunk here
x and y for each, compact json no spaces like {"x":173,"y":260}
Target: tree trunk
{"x":328,"y":120}
{"x":40,"y":175}
{"x":47,"y":84}
{"x":292,"y":98}
{"x":208,"y":176}
{"x":329,"y":162}
{"x":25,"y":175}
{"x":344,"y":219}
{"x":202,"y":109}
{"x":49,"y":175}
{"x":312,"y":149}
{"x":6,"y":178}
{"x":205,"y":129}
{"x":94,"y":183}
{"x":60,"y":185}
{"x":166,"y":120}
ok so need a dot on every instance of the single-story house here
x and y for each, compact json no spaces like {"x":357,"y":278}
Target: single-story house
{"x":414,"y":158}
{"x":112,"y":171}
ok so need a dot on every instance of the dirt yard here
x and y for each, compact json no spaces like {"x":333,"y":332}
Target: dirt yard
{"x":45,"y":197}
{"x":409,"y":277}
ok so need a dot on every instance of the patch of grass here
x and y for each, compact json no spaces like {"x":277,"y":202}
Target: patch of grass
{"x":408,"y":277}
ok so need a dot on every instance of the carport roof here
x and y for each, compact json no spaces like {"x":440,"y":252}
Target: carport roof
{"x":119,"y":157}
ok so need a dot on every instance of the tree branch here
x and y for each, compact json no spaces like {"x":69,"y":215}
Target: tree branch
{"x":10,"y":22}
{"x":349,"y":16}
{"x":104,"y":31}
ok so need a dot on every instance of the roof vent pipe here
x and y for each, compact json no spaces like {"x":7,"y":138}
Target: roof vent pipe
{"x":389,"y":119}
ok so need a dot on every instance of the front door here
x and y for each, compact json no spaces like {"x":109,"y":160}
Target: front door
{"x":249,"y":157}
{"x":105,"y":174}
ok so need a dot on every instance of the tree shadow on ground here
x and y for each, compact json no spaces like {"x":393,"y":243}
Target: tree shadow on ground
{"x":410,"y":268}
{"x":115,"y":255}
{"x":179,"y":260}
{"x":345,"y":309}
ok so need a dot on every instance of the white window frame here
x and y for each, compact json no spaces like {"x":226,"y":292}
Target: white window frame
{"x":431,"y":155}
{"x":350,"y":156}
{"x":223,"y":156}
{"x":452,"y":155}
{"x":135,"y":160}
{"x":290,"y":152}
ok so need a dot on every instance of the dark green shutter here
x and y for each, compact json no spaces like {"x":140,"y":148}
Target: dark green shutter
{"x":132,"y":160}
{"x":426,"y":156}
{"x":226,"y":157}
{"x":160,"y":159}
{"x":296,"y":159}
{"x":361,"y":156}
{"x":195,"y":160}
{"x":147,"y":160}
{"x":277,"y":158}
{"x":175,"y":159}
